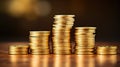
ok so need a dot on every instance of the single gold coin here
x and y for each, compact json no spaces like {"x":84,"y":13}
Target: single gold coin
{"x":63,"y":16}
{"x":107,"y":52}
{"x":62,"y":53}
{"x":82,"y":49}
{"x":40,"y":50}
{"x":84,"y":45}
{"x":40,"y":53}
{"x":39,"y":33}
{"x":106,"y":47}
{"x":84,"y":28}
{"x":18,"y":53}
{"x":61,"y":48}
{"x":84,"y":52}
{"x":85,"y":31}
{"x":18,"y":46}
{"x":39,"y":47}
{"x":17,"y":50}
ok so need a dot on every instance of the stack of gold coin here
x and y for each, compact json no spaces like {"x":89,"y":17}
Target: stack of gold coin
{"x":61,"y":34}
{"x":39,"y":42}
{"x":18,"y":49}
{"x":106,"y":50}
{"x":84,"y":40}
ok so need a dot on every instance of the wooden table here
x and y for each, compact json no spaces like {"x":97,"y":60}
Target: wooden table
{"x":56,"y":60}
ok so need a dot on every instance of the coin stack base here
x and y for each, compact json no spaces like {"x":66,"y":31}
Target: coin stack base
{"x":101,"y":50}
{"x":84,"y":40}
{"x":18,"y":49}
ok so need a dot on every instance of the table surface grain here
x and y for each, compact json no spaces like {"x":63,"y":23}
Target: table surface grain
{"x":56,"y":60}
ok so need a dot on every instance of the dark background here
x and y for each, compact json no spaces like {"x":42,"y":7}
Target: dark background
{"x":102,"y":14}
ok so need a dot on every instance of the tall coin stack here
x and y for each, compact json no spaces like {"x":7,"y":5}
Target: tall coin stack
{"x":106,"y":49}
{"x":18,"y":49}
{"x":84,"y":40}
{"x":61,"y":34}
{"x":39,"y":42}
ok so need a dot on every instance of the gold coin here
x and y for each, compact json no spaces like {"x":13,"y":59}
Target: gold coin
{"x":34,"y":47}
{"x":17,"y":52}
{"x":60,"y":44}
{"x":84,"y":28}
{"x":106,"y":47}
{"x":63,"y":25}
{"x":61,"y":41}
{"x":61,"y":48}
{"x":25,"y":50}
{"x":86,"y":31}
{"x":90,"y":49}
{"x":84,"y":52}
{"x":60,"y":29}
{"x":34,"y":40}
{"x":84,"y":36}
{"x":84,"y":44}
{"x":40,"y":50}
{"x":106,"y":52}
{"x":58,"y":34}
{"x":61,"y":37}
{"x":40,"y":53}
{"x":85,"y":47}
{"x":18,"y":46}
{"x":63,"y":16}
{"x":66,"y":28}
{"x":64,"y":22}
{"x":61,"y":32}
{"x":38,"y":33}
{"x":64,"y":19}
{"x":62,"y":53}
{"x":39,"y":44}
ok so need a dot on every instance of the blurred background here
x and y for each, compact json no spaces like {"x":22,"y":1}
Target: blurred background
{"x":18,"y":17}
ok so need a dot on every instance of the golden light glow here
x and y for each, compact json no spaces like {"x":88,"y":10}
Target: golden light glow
{"x":85,"y":61}
{"x":62,"y":61}
{"x":28,"y":8}
{"x":103,"y":59}
{"x":14,"y":59}
{"x":39,"y":61}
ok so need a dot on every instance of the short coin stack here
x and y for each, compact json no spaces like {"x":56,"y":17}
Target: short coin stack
{"x":18,"y":49}
{"x":84,"y":40}
{"x":106,"y":49}
{"x":39,"y":42}
{"x":61,"y":34}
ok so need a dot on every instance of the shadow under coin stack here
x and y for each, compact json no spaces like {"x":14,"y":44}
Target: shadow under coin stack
{"x":84,"y":40}
{"x":18,"y":49}
{"x":39,"y":42}
{"x":61,"y":34}
{"x":106,"y":49}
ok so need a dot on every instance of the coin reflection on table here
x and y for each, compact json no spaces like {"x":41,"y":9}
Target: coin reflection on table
{"x":15,"y":59}
{"x":102,"y":60}
{"x":85,"y":61}
{"x":39,"y":61}
{"x":62,"y":61}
